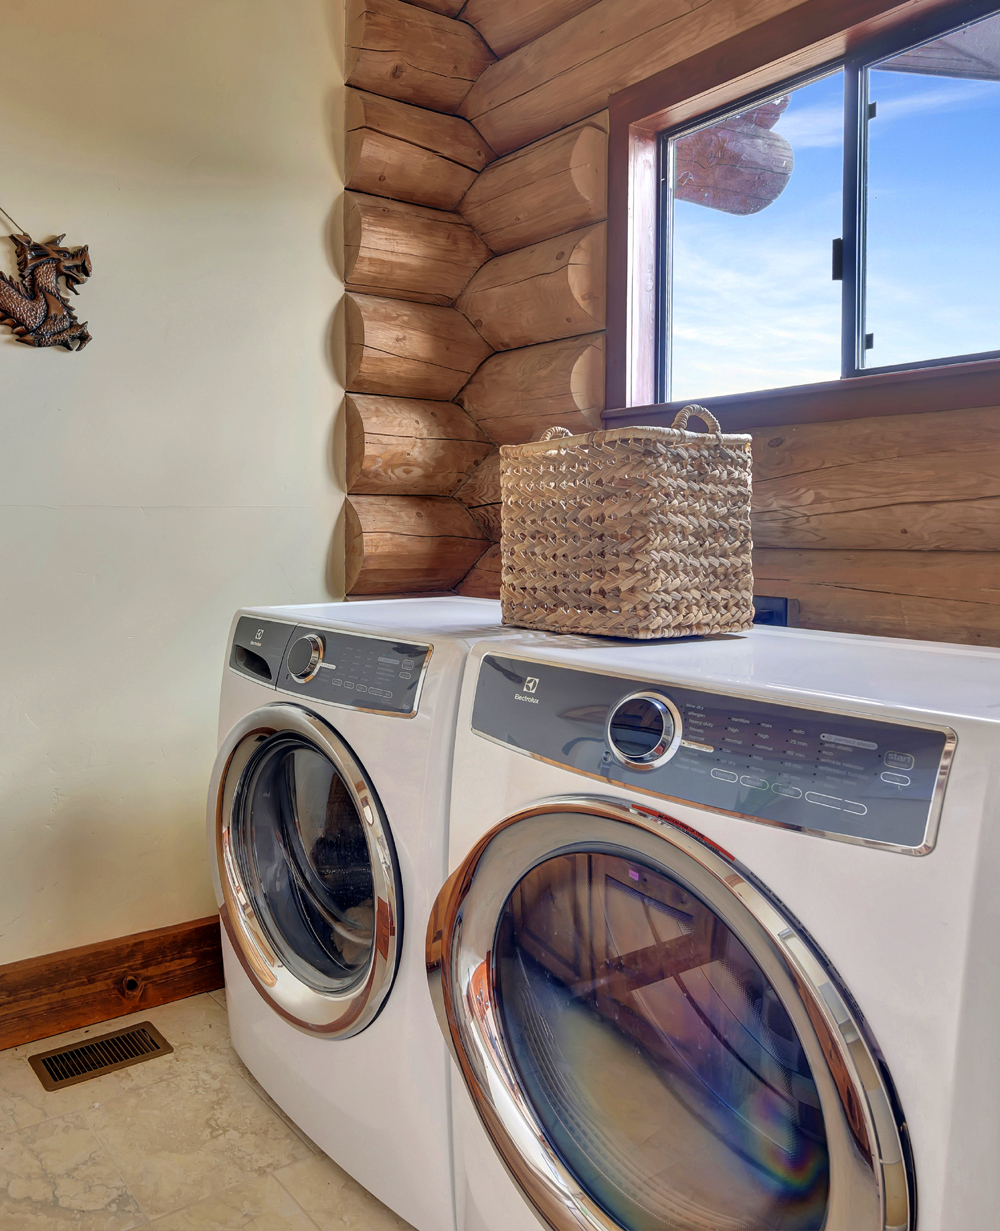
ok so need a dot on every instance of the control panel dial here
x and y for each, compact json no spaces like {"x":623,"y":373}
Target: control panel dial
{"x":305,"y":657}
{"x":643,"y":730}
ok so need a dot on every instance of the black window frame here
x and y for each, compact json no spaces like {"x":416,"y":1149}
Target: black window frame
{"x":853,"y":228}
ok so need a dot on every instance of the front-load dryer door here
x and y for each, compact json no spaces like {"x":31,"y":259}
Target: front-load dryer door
{"x":651,"y":1042}
{"x":310,"y":885}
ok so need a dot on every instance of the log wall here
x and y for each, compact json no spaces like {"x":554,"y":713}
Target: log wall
{"x":475,"y":306}
{"x":477,"y":160}
{"x":884,"y":525}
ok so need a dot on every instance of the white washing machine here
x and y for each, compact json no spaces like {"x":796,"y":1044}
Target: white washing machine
{"x":327,"y":828}
{"x":719,"y":947}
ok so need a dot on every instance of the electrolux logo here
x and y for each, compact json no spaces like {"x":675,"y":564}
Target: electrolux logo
{"x":530,"y":686}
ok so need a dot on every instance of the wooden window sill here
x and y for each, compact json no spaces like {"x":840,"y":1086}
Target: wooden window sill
{"x":957,"y":386}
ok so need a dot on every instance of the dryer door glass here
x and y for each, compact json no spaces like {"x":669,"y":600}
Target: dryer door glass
{"x":662,"y":1066}
{"x":305,"y":863}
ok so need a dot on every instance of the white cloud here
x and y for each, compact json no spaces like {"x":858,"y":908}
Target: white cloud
{"x":818,"y":127}
{"x":752,"y":316}
{"x":937,"y":97}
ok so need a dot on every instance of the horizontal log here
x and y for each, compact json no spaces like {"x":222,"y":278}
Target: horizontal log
{"x":869,"y":485}
{"x":555,"y":289}
{"x":967,"y":576}
{"x":480,"y":494}
{"x":933,"y":487}
{"x":408,"y":251}
{"x":403,"y":447}
{"x":944,"y":525}
{"x":450,"y":8}
{"x":408,"y":544}
{"x":556,"y":185}
{"x":417,"y":56}
{"x":390,"y":167}
{"x":517,"y":394}
{"x":489,"y":517}
{"x":447,"y":135}
{"x":509,"y":24}
{"x":933,"y":595}
{"x":810,"y":447}
{"x":483,"y":580}
{"x":569,"y":72}
{"x":409,"y":349}
{"x":483,"y":485}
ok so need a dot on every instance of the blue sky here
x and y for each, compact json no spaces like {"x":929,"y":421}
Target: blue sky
{"x":754,"y":305}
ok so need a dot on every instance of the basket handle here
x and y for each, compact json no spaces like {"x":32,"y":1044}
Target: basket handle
{"x":699,"y":412}
{"x":551,"y":433}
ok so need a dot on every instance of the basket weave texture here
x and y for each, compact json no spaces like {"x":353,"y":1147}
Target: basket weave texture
{"x":639,"y":532}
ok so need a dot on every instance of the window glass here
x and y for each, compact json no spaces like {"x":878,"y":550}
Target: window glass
{"x":755,"y":200}
{"x":664,"y":1069}
{"x":933,"y":261}
{"x":304,"y":859}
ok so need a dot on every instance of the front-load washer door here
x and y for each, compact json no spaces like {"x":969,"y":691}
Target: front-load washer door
{"x":651,"y":1042}
{"x":310,"y":884}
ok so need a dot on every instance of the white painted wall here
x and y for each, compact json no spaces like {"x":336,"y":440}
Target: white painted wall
{"x":180,"y":466}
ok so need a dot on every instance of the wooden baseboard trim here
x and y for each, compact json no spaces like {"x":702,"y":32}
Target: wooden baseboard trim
{"x":47,"y":995}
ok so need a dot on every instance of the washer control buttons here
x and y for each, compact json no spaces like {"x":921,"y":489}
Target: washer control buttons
{"x":304,"y":658}
{"x":895,"y":779}
{"x":835,"y":802}
{"x":789,"y":792}
{"x":824,"y":801}
{"x":898,"y":760}
{"x":643,"y":730}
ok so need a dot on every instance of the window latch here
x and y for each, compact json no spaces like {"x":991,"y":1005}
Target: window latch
{"x":872,"y":110}
{"x":837,"y":261}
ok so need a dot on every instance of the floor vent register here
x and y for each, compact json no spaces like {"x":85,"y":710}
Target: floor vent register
{"x":66,"y":1066}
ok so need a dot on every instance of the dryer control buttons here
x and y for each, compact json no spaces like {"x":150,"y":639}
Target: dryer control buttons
{"x":304,"y":658}
{"x":643,"y":730}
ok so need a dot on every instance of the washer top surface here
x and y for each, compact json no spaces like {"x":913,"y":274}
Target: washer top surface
{"x":804,"y":665}
{"x":463,"y":618}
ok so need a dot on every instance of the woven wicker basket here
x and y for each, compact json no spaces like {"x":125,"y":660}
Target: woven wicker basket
{"x":637,"y":532}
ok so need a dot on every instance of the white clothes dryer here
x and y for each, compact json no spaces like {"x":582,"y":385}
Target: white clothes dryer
{"x":718,"y":949}
{"x":327,"y":830}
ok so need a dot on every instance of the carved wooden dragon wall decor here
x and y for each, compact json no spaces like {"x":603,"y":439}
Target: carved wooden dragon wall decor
{"x":36,"y":308}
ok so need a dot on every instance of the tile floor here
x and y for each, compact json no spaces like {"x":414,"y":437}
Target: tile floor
{"x":187,"y":1142}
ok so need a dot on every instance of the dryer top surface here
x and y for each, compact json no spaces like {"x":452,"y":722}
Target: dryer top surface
{"x":804,"y":666}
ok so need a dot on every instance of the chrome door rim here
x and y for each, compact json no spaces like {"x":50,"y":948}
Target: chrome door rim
{"x":326,"y":1013}
{"x":871,"y":1186}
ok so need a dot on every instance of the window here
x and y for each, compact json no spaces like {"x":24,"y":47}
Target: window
{"x":843,"y":222}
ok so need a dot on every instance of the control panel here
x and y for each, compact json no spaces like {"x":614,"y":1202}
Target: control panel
{"x":332,"y":665}
{"x":836,"y":774}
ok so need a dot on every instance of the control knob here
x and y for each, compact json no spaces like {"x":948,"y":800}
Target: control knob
{"x":304,"y":658}
{"x":643,"y":730}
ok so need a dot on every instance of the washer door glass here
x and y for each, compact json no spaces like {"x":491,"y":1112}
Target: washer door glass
{"x":300,"y":845}
{"x":662,"y":1066}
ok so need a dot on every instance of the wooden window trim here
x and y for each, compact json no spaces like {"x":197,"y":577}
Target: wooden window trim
{"x":807,"y":36}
